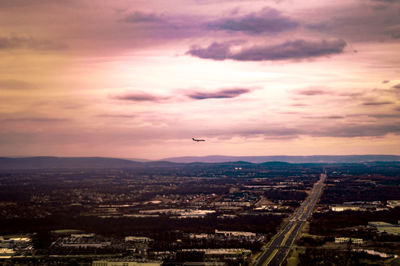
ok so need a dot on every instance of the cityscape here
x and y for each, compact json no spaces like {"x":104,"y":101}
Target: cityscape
{"x":233,"y":213}
{"x":199,"y":132}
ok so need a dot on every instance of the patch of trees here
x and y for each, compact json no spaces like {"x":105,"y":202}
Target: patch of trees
{"x":309,"y":241}
{"x":280,"y":194}
{"x":316,"y":256}
{"x":361,"y":188}
{"x":328,"y":223}
{"x":152,"y":227}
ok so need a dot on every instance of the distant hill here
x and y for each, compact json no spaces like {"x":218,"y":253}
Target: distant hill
{"x":44,"y":162}
{"x":137,"y":159}
{"x":287,"y":159}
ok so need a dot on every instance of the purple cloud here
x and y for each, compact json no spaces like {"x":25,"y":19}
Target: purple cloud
{"x":299,"y":49}
{"x":216,"y":51}
{"x":291,"y":50}
{"x":396,"y":86}
{"x":267,"y":21}
{"x":221,"y":94}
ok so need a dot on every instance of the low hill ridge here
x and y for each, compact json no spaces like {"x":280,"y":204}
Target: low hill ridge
{"x":48,"y":162}
{"x":287,"y":159}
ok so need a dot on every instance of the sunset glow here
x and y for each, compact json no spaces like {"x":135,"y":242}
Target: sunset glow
{"x":139,"y":79}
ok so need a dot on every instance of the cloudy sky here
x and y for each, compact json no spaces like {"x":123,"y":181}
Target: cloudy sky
{"x":140,"y":78}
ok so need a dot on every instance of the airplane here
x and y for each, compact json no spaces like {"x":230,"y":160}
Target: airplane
{"x":197,"y":140}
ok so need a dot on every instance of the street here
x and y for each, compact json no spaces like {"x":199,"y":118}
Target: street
{"x":280,"y":246}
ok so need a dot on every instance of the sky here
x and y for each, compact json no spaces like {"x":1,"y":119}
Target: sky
{"x":140,"y":78}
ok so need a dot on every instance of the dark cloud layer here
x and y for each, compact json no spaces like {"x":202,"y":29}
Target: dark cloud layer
{"x":30,"y":3}
{"x":267,"y":21}
{"x":138,"y":97}
{"x":139,"y":17}
{"x":395,"y":34}
{"x":375,"y":20}
{"x":13,"y":84}
{"x":28,"y":42}
{"x":357,"y":130}
{"x":312,"y":92}
{"x":13,"y":42}
{"x":216,"y":51}
{"x":396,"y":86}
{"x":343,"y":130}
{"x":116,"y":115}
{"x":221,"y":94}
{"x":377,"y":103}
{"x":386,"y":1}
{"x":299,"y":49}
{"x":35,"y":119}
{"x":333,"y":117}
{"x":196,"y":95}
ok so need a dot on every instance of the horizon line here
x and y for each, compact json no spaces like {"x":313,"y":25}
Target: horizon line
{"x":183,"y":156}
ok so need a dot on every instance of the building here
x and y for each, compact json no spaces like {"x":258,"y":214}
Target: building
{"x":138,"y":239}
{"x":82,"y":241}
{"x":342,"y":208}
{"x":6,"y":253}
{"x":219,"y":254}
{"x":345,"y":240}
{"x":124,"y":263}
{"x":235,"y":234}
{"x":199,"y":236}
{"x":393,"y":203}
{"x":82,"y":235}
{"x":14,"y":241}
{"x":387,"y":228}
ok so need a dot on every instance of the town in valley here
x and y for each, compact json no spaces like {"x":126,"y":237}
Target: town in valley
{"x":233,"y":213}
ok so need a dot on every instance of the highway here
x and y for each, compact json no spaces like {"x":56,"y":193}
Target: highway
{"x":275,"y":253}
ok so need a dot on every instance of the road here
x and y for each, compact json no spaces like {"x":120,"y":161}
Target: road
{"x":280,"y":246}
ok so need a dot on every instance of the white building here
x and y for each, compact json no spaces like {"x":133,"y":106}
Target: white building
{"x":344,"y":240}
{"x":342,"y":208}
{"x":235,"y":233}
{"x":124,"y":263}
{"x":138,"y":239}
